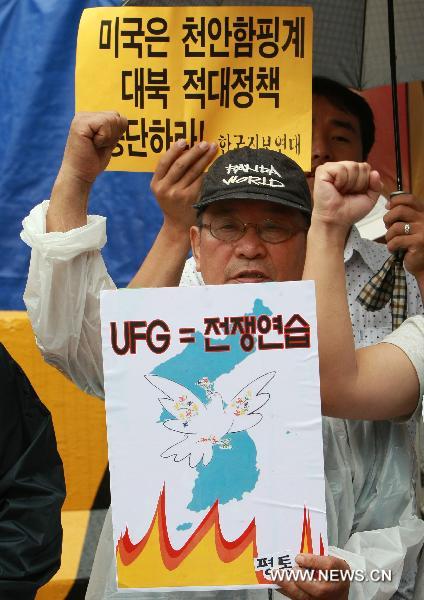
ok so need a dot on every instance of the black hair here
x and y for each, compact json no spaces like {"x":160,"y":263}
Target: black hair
{"x":349,"y":102}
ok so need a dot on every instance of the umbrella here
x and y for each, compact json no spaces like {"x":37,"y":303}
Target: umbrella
{"x":351,"y":41}
{"x":359,"y":43}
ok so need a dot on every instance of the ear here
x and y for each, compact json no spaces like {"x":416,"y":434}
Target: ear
{"x":195,"y":233}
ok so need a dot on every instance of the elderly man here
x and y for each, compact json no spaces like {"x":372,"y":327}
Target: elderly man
{"x":249,"y":229}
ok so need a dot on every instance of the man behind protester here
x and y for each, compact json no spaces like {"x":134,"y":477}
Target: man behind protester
{"x":365,"y":516}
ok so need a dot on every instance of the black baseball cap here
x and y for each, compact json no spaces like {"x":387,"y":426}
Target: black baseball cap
{"x":257,"y":174}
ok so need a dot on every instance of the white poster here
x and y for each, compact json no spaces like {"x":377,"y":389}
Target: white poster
{"x":214,"y":432}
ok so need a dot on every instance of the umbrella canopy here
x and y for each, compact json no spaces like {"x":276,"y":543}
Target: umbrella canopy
{"x":355,"y":42}
{"x":351,"y":40}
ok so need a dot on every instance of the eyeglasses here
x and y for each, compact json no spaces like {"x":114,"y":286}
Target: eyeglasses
{"x":230,"y":229}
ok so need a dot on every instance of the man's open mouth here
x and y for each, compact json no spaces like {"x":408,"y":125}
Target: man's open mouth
{"x":251,"y":276}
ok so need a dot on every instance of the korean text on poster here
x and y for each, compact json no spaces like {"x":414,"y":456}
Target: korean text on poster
{"x":240,"y":76}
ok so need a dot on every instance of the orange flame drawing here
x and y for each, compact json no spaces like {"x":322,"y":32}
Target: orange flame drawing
{"x":206,"y":559}
{"x":306,"y":543}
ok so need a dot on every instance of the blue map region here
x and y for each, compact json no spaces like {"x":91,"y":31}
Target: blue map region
{"x":229,"y":475}
{"x":232,"y":471}
{"x":184,"y":526}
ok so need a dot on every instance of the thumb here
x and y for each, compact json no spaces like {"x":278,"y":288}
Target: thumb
{"x":376,"y":185}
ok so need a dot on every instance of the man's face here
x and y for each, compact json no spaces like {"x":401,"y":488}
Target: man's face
{"x":250,"y":259}
{"x":336,"y":135}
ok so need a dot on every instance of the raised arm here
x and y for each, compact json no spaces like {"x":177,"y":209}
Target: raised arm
{"x":176,"y":185}
{"x":378,"y":382}
{"x":67,"y":271}
{"x":92,"y":138}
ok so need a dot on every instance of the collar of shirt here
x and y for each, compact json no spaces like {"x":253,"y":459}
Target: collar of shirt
{"x":372,"y":253}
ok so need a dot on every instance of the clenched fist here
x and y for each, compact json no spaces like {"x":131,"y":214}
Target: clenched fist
{"x":91,"y":140}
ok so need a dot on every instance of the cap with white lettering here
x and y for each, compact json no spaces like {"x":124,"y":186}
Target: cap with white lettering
{"x":257,"y":174}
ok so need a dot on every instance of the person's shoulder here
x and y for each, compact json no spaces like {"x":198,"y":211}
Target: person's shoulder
{"x":411,"y":332}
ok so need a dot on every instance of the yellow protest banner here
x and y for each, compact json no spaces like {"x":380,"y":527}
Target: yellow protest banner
{"x":237,"y":75}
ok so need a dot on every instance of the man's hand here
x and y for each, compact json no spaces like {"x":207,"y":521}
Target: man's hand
{"x":176,"y":183}
{"x":405,"y":208}
{"x":344,"y":192}
{"x":316,"y":588}
{"x":91,"y":140}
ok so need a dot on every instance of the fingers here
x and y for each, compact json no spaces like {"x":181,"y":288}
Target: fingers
{"x":329,"y":172}
{"x":111,"y":127}
{"x":413,"y":243}
{"x":169,"y":158}
{"x":405,"y":200}
{"x":103,"y":128}
{"x":405,"y":224}
{"x":403,"y":242}
{"x":182,"y":166}
{"x":91,"y":140}
{"x":376,"y":184}
{"x":177,"y":180}
{"x":319,"y":588}
{"x":402,"y":212}
{"x":350,"y":177}
{"x":315,"y":561}
{"x":398,"y":230}
{"x":405,"y":229}
{"x":200,"y":165}
{"x":313,"y":585}
{"x":325,"y":563}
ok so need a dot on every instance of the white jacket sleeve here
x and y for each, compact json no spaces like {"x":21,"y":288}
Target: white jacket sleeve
{"x":377,"y":558}
{"x":65,"y":278}
{"x":370,"y":501}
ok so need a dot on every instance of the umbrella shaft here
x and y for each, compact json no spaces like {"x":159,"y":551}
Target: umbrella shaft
{"x":392,"y":52}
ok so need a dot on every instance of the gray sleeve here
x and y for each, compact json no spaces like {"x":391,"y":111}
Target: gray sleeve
{"x":409,"y":337}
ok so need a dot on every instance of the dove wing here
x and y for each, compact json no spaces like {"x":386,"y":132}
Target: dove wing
{"x":192,"y":448}
{"x":245,"y":404}
{"x":180,"y":402}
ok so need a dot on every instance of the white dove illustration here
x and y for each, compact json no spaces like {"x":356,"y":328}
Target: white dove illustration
{"x":204,"y":425}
